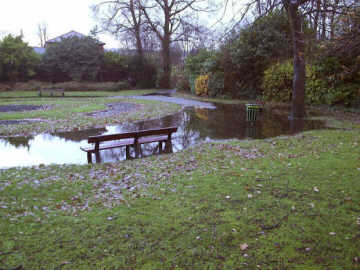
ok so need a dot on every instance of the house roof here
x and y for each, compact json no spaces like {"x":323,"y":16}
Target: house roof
{"x":68,"y":35}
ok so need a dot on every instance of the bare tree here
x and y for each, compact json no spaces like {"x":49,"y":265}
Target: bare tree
{"x":122,"y":18}
{"x":42,"y":33}
{"x":169,"y":20}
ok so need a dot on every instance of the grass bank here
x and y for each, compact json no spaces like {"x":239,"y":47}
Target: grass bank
{"x":282,"y":203}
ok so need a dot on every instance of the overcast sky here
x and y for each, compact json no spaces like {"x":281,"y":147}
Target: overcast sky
{"x":61,"y":16}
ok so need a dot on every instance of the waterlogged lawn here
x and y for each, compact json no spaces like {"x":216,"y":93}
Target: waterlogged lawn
{"x":282,"y":203}
{"x":68,"y":114}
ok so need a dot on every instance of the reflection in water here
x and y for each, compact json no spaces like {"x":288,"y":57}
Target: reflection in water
{"x":194,"y":126}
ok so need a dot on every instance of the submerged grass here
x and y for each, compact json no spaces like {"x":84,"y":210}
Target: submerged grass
{"x":73,"y":114}
{"x":281,"y":203}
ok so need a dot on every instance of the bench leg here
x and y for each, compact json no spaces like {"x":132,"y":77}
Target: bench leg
{"x":168,"y":146}
{"x":97,"y":157}
{"x":128,"y":152}
{"x":160,"y":147}
{"x":89,"y":159}
{"x":137,"y":150}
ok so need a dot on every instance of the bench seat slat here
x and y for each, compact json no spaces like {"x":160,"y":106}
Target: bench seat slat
{"x":153,"y":139}
{"x":103,"y":146}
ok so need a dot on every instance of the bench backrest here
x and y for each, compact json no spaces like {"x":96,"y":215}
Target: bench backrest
{"x":135,"y":134}
{"x":52,"y":89}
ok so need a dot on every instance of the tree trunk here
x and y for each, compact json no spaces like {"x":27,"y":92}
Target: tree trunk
{"x":139,"y":46}
{"x":165,"y":80}
{"x":137,"y":29}
{"x":298,"y":91}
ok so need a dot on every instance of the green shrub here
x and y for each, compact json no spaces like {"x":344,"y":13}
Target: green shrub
{"x":142,"y":73}
{"x":253,"y":49}
{"x":73,"y":58}
{"x":115,"y":67}
{"x":216,"y":84}
{"x":195,"y":66}
{"x":277,"y":82}
{"x":182,"y":83}
{"x":319,"y":89}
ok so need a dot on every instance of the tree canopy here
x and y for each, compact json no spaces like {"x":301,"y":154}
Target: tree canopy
{"x":74,"y":58}
{"x":17,"y":60}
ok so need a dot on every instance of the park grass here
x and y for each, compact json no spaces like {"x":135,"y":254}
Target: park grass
{"x":58,"y":114}
{"x":281,"y":203}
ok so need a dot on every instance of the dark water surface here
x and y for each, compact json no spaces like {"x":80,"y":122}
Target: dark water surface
{"x":195,"y":125}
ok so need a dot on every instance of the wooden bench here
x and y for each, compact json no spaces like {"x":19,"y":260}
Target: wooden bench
{"x":129,"y":139}
{"x":52,"y":91}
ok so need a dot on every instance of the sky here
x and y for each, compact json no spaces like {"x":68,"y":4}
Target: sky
{"x":61,"y":16}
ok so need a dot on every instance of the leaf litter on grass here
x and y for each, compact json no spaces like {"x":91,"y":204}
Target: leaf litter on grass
{"x":195,"y":203}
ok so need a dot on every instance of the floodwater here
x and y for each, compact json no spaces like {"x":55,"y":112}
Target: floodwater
{"x":195,"y":125}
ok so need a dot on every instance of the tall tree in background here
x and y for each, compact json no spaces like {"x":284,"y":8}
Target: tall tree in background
{"x":42,"y":32}
{"x":170,"y":20}
{"x":322,"y":16}
{"x":122,"y":18}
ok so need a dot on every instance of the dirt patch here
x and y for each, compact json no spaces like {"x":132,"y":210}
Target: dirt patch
{"x":115,"y":108}
{"x":19,"y":108}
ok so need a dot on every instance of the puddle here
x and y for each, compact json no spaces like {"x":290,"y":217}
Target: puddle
{"x":195,"y":125}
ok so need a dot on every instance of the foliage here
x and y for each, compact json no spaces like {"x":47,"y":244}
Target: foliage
{"x":277,"y":82}
{"x":182,"y":82}
{"x":216,"y":84}
{"x":250,"y":52}
{"x":142,"y":73}
{"x":18,"y":61}
{"x":115,"y":67}
{"x":340,"y":60}
{"x":320,"y":87}
{"x":201,"y":85}
{"x":194,"y":66}
{"x":74,"y":58}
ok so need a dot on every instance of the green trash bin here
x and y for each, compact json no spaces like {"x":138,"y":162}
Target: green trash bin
{"x":252,"y":110}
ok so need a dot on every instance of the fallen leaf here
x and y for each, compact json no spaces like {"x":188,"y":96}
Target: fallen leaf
{"x":244,"y":246}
